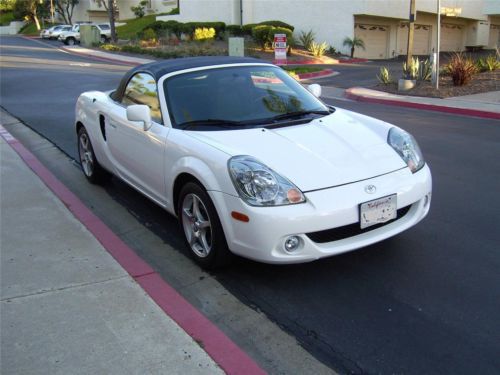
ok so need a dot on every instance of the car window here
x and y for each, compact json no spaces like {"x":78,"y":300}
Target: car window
{"x":104,"y":27}
{"x":236,"y":94}
{"x":141,"y":89}
{"x":68,"y":28}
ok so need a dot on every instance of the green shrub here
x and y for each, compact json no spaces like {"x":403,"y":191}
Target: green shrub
{"x":461,"y":69}
{"x":148,"y":34}
{"x":410,"y":71}
{"x":235,"y":30}
{"x":278,"y":24}
{"x":133,"y":49}
{"x":488,"y":64}
{"x":425,"y":71}
{"x":332,"y":50}
{"x":7,"y":5}
{"x":203,"y":33}
{"x":306,"y":38}
{"x":248,"y":29}
{"x":162,"y":28}
{"x":384,"y":76}
{"x":263,"y":35}
{"x":139,"y":9}
{"x":318,"y":50}
{"x":173,"y":11}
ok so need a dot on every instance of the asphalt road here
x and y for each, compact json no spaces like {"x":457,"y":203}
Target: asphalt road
{"x":426,"y":301}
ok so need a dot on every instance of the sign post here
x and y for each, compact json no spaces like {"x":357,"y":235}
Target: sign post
{"x":280,"y":49}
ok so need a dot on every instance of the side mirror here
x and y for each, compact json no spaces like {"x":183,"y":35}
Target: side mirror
{"x":315,"y":89}
{"x":140,"y":112}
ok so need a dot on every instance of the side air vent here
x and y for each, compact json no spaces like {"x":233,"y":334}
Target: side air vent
{"x":102,"y":123}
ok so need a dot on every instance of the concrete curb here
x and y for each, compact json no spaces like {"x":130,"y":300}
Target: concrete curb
{"x":218,"y":346}
{"x":430,"y":107}
{"x":108,"y":59}
{"x":321,"y":74}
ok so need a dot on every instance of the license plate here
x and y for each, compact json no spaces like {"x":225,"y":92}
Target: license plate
{"x":377,"y":211}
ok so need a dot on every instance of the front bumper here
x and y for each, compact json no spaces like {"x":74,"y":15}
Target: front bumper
{"x":262,"y":238}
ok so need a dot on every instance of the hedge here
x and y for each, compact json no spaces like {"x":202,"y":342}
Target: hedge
{"x":278,"y":24}
{"x":264,"y":35}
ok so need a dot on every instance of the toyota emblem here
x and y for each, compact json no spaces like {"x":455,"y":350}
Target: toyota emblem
{"x":370,"y":189}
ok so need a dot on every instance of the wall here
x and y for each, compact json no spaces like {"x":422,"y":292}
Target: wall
{"x":333,"y":20}
{"x":12,"y":29}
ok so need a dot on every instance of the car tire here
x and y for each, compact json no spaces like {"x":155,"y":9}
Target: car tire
{"x":103,"y":39}
{"x":70,"y":41}
{"x":91,"y":168}
{"x":200,"y":224}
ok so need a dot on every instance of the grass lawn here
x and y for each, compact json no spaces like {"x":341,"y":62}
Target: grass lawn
{"x":302,"y":69}
{"x":6,"y":18}
{"x":133,"y":26}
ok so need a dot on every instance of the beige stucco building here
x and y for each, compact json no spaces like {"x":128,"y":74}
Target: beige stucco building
{"x":382,"y":24}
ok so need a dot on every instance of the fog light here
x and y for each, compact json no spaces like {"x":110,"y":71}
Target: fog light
{"x":292,"y":243}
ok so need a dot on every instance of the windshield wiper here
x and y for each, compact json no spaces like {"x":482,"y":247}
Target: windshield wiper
{"x":210,"y":122}
{"x":295,"y":114}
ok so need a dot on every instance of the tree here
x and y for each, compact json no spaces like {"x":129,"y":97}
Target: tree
{"x":112,"y":8}
{"x":65,"y":8}
{"x":353,"y":43}
{"x":112,"y":18}
{"x":32,"y":9}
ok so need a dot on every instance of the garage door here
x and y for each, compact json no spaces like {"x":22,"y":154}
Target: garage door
{"x":375,"y":38}
{"x":494,"y":40}
{"x":421,"y":39}
{"x":451,"y":37}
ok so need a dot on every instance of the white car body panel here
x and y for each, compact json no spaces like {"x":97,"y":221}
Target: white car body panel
{"x":341,"y":149}
{"x":331,"y":159}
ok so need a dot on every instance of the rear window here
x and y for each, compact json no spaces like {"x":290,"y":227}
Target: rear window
{"x":104,"y":27}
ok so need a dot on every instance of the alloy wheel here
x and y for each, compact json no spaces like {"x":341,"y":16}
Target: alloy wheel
{"x":196,"y":225}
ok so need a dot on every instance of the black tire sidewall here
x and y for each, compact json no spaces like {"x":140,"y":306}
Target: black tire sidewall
{"x":219,"y":255}
{"x":97,"y":173}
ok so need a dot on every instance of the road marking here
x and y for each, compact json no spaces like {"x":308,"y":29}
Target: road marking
{"x":80,"y":64}
{"x":46,"y":44}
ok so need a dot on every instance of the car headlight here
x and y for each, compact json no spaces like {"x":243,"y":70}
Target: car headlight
{"x":259,"y":185}
{"x":407,"y":147}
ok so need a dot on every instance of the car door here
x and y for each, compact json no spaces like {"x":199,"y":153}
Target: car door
{"x":138,"y":154}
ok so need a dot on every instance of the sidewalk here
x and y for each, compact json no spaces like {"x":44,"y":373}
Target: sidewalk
{"x":67,"y":305}
{"x":485,"y":105}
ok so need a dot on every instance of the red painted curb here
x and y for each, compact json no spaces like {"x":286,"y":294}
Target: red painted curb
{"x":218,"y":346}
{"x":430,"y":107}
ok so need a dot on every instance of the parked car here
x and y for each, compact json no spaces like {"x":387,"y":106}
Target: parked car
{"x":55,"y":31}
{"x":45,"y":33}
{"x":251,"y":162}
{"x":72,"y":36}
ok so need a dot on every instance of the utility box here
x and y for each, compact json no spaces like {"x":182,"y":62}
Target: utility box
{"x":236,"y":47}
{"x":477,"y":34}
{"x":89,"y":35}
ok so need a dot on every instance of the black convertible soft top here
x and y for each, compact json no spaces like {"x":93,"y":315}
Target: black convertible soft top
{"x":159,"y":68}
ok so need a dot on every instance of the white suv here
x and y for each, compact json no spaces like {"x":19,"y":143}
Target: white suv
{"x":73,"y":36}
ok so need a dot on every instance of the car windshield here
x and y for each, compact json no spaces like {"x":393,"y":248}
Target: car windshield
{"x":236,"y":97}
{"x":104,"y":27}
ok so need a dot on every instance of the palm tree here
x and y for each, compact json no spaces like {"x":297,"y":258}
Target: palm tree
{"x":352,"y":43}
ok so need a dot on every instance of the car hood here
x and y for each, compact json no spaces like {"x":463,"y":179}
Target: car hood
{"x":334,"y":150}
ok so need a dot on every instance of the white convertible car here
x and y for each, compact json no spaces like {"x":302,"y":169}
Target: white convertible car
{"x":252,"y":162}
